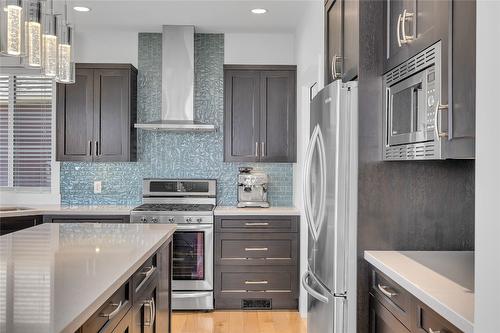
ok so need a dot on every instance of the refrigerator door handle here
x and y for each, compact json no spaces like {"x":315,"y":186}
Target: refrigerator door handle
{"x":305,"y":185}
{"x":310,"y":290}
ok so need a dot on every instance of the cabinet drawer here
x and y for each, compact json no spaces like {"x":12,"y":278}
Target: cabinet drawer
{"x":256,"y":281}
{"x":110,"y":313}
{"x":257,"y":224}
{"x":382,"y":320}
{"x":256,"y":248}
{"x":146,"y":273}
{"x":392,"y":296}
{"x":428,"y":321}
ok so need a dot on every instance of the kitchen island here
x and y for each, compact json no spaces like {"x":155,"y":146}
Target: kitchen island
{"x":88,"y":277}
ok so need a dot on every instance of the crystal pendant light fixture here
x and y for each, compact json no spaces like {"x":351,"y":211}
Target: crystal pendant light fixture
{"x":65,"y":62}
{"x":49,"y":40}
{"x":12,"y":28}
{"x":33,"y":34}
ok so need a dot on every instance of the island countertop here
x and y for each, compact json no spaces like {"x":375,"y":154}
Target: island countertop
{"x":53,"y":277}
{"x":444,"y":280}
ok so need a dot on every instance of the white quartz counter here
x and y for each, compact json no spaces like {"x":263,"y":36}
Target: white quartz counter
{"x":226,"y":210}
{"x":444,"y":280}
{"x":66,"y":210}
{"x":53,"y":277}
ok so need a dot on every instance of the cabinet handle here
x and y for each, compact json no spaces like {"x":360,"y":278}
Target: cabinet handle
{"x":114,"y":312}
{"x":90,"y":147}
{"x":398,"y":33}
{"x":335,"y":74}
{"x":254,"y":224}
{"x":385,"y":291}
{"x":437,"y":126}
{"x":256,"y":149}
{"x":263,"y":148}
{"x":97,"y":148}
{"x":148,"y":273}
{"x":403,"y":26}
{"x":256,"y":248}
{"x":150,"y":303}
{"x":432,"y":331}
{"x":256,"y":282}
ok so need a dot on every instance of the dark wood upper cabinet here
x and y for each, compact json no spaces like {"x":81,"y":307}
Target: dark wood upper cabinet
{"x":341,"y":40}
{"x":96,"y":114}
{"x":259,"y":113}
{"x":412,"y":26}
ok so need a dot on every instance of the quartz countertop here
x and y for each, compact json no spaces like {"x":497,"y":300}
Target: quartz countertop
{"x":66,"y":210}
{"x":228,"y":210}
{"x":53,"y":277}
{"x":444,"y":280}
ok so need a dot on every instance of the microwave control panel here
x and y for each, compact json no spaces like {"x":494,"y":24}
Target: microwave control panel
{"x":431,"y":96}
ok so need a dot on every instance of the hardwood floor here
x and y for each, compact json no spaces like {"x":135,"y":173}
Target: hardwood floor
{"x":238,"y":322}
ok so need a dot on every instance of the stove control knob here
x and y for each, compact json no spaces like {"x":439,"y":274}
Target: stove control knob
{"x":144,"y":220}
{"x":199,"y":220}
{"x":189,"y":220}
{"x":154,"y":220}
{"x":171,"y":220}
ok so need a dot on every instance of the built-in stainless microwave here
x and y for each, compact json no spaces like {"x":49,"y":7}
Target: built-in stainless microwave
{"x":418,"y":124}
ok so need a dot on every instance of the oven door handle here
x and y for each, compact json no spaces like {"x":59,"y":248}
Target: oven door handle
{"x":191,"y":295}
{"x":181,"y":227}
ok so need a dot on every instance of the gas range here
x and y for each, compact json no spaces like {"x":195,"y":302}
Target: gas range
{"x":190,"y":204}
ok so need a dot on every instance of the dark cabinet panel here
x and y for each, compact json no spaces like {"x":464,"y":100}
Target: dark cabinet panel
{"x":242,"y":115}
{"x":382,"y":321}
{"x":75,"y":112}
{"x":333,"y":37}
{"x":86,"y":218}
{"x":16,"y":223}
{"x":277,"y":121}
{"x":350,"y":40}
{"x":96,"y":115}
{"x":259,"y":113}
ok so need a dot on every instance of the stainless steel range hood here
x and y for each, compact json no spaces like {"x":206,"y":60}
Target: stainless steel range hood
{"x":177,"y":83}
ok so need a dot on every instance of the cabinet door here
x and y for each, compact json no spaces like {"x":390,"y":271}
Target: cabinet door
{"x":382,"y":321}
{"x":145,"y":311}
{"x":75,"y":112}
{"x":241,"y":115}
{"x":125,"y":325}
{"x":351,"y":40}
{"x":277,"y":117}
{"x":333,"y":40}
{"x":111,"y":115}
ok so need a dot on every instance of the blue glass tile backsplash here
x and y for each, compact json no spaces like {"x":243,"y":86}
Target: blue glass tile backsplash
{"x":168,"y":154}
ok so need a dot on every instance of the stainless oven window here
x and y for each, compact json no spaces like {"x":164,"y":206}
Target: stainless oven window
{"x":402,"y":117}
{"x":189,"y":255}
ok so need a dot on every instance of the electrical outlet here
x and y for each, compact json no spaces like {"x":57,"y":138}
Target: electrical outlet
{"x":97,"y":186}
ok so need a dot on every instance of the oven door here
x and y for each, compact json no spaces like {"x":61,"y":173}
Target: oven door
{"x":193,"y":257}
{"x":407,"y":111}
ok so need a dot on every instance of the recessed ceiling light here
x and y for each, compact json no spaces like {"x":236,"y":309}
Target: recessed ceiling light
{"x":259,"y":11}
{"x":81,"y":9}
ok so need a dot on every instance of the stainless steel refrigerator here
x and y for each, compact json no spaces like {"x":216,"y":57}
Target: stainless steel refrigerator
{"x":330,"y":204}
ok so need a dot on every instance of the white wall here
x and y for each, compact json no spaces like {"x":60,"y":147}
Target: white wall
{"x":487,"y":230}
{"x":259,"y":48}
{"x":121,"y":46}
{"x":309,"y":58}
{"x":118,"y":46}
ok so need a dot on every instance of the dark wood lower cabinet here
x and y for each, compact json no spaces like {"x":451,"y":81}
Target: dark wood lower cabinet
{"x":16,"y":223}
{"x":256,"y":262}
{"x":395,"y":310}
{"x":140,"y":305}
{"x":86,"y":218}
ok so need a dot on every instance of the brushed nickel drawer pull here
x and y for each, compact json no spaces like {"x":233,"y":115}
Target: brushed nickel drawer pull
{"x":385,"y":290}
{"x":256,"y":248}
{"x":114,"y":312}
{"x":256,"y":282}
{"x":148,"y":273}
{"x":253,"y":224}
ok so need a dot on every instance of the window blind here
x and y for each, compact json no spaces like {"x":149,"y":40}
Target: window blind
{"x":26,"y":125}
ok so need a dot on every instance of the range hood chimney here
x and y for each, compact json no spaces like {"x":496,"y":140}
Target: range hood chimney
{"x":177,"y":82}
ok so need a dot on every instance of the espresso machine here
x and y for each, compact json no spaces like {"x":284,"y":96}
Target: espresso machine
{"x":252,"y":188}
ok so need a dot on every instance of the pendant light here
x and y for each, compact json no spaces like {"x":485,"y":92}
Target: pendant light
{"x":12,"y":28}
{"x":65,"y":52}
{"x":33,"y":34}
{"x":49,"y":40}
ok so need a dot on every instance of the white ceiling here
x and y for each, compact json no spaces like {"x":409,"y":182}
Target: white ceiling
{"x":206,"y":15}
